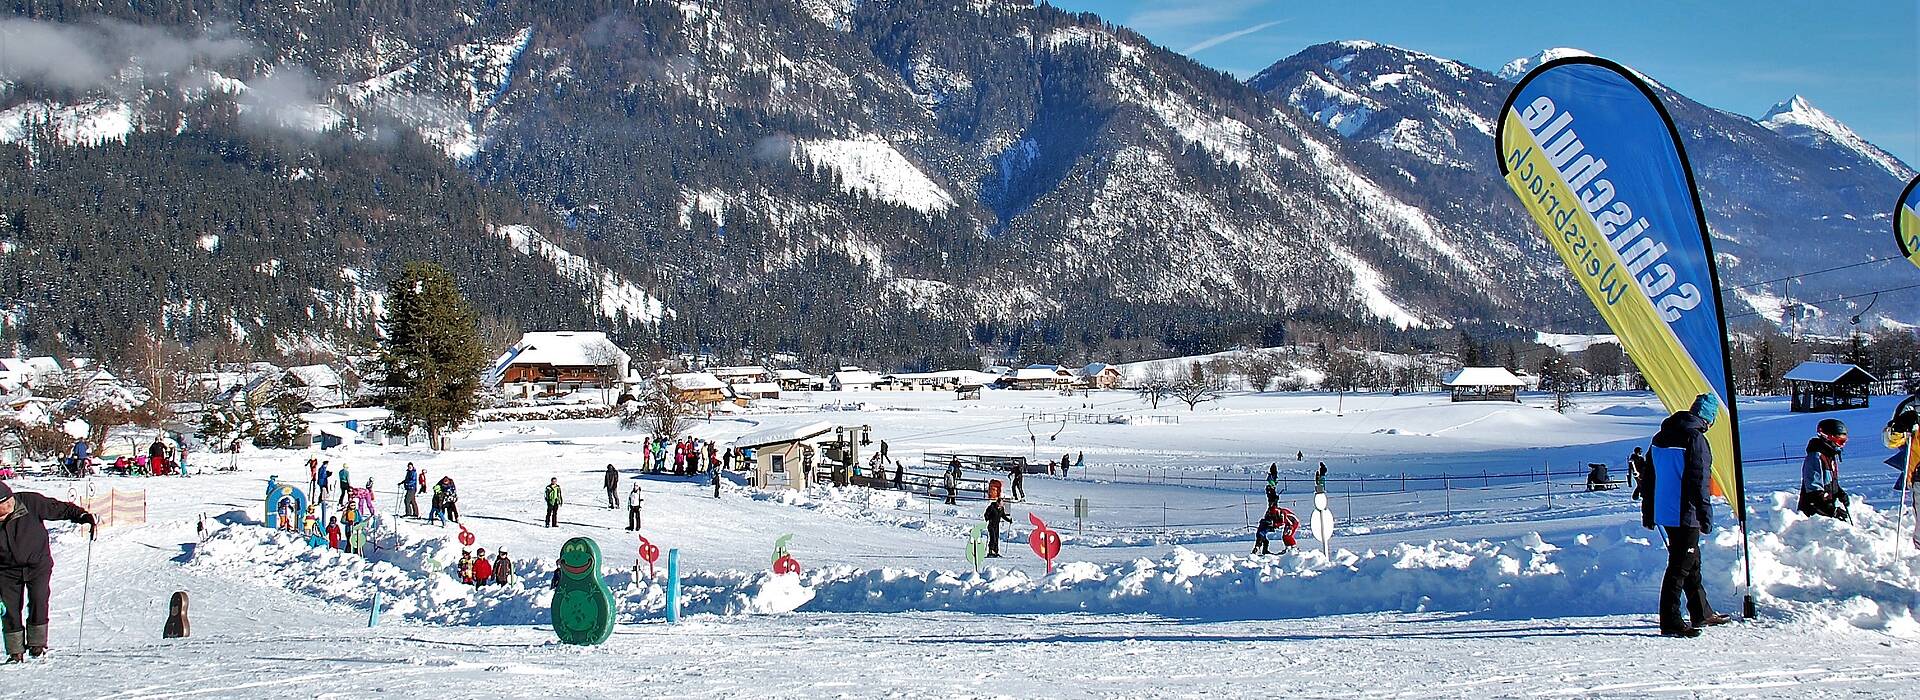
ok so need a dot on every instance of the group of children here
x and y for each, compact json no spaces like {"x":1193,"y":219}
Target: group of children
{"x":479,"y":571}
{"x":687,"y":456}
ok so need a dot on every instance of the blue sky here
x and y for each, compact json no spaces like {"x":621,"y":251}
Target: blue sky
{"x":1858,"y":61}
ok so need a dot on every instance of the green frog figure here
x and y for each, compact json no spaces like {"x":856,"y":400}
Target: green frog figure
{"x":582,"y":604}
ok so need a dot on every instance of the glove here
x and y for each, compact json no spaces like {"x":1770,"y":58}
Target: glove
{"x":86,"y":519}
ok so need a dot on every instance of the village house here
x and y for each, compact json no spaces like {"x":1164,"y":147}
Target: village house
{"x":853,"y":379}
{"x":1039,"y":377}
{"x":741,"y":375}
{"x":549,"y":363}
{"x":698,"y":388}
{"x":798,"y":380}
{"x":1099,"y":375}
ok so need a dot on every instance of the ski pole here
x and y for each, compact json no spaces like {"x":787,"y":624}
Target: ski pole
{"x":86,"y":583}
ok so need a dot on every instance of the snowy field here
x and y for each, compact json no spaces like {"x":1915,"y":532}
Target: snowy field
{"x":1459,"y":568}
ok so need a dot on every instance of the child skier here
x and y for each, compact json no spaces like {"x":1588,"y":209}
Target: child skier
{"x":482,"y":569}
{"x":1820,"y":492}
{"x":502,"y":569}
{"x":333,"y":533}
{"x":466,"y":567}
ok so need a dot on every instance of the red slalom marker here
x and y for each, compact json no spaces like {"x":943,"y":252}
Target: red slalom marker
{"x":1044,"y":541}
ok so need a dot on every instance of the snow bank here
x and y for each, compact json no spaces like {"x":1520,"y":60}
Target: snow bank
{"x":1816,"y":569}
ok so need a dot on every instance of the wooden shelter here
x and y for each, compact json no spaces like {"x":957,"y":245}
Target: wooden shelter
{"x":1828,"y":386}
{"x":1484,"y":384}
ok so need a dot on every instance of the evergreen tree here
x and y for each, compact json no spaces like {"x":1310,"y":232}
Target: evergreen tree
{"x":431,"y":357}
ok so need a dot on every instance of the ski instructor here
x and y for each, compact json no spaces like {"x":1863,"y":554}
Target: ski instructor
{"x":26,"y":565}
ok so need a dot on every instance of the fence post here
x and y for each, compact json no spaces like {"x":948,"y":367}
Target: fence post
{"x":1485,"y":481}
{"x":1403,"y":482}
{"x":1163,"y":516}
{"x":1447,"y":483}
{"x":1549,"y":472}
{"x":1245,"y":519}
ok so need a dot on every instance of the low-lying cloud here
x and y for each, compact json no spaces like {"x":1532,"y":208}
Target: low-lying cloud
{"x":105,"y":54}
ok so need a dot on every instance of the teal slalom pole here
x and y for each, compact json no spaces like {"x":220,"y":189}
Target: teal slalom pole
{"x":673,"y":585}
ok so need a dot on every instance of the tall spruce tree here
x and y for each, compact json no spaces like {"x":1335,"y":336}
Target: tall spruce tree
{"x":431,"y":356}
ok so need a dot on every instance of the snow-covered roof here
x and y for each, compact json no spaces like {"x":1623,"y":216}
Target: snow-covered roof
{"x":1827,"y":373}
{"x":1482,"y":376}
{"x":366,"y":416}
{"x":320,"y":376}
{"x":1095,"y":369}
{"x":791,"y":433}
{"x":1032,"y":374}
{"x":756,"y":388}
{"x":744,"y":371}
{"x":338,"y":430}
{"x":695,"y":381}
{"x":855,"y":377}
{"x":794,"y":374}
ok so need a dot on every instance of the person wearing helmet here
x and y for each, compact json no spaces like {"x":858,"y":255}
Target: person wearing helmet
{"x":1820,"y":492}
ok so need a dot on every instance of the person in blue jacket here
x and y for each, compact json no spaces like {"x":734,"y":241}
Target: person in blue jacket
{"x":1686,"y":430}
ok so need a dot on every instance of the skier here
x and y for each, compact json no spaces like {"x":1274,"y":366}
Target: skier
{"x":26,"y":565}
{"x":321,"y":483}
{"x":633,"y":507}
{"x":713,"y":471}
{"x":453,"y":498}
{"x":1019,"y":478}
{"x":1080,"y":460}
{"x":1273,"y":497}
{"x":1686,"y":430}
{"x":996,"y":514}
{"x":1820,"y":492}
{"x":1639,"y":472}
{"x":482,"y":568}
{"x":437,"y":506}
{"x":502,"y":569}
{"x":313,"y":471}
{"x":613,"y":487}
{"x":80,"y":457}
{"x":899,"y":475}
{"x":1299,"y":456}
{"x":333,"y":532}
{"x":953,"y":481}
{"x":1320,"y":479}
{"x":466,"y":567}
{"x":1289,"y":526}
{"x":553,"y":502}
{"x":1268,"y":523}
{"x":411,"y":485}
{"x":346,"y":486}
{"x":1273,"y":475}
{"x":286,"y":513}
{"x":680,"y":459}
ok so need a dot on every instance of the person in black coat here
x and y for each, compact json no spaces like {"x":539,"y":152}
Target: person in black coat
{"x":1686,"y":430}
{"x":996,"y":514}
{"x":26,"y":565}
{"x":613,"y":487}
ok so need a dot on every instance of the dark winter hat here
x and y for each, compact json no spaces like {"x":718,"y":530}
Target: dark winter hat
{"x":1707,"y":407}
{"x":6,"y":491}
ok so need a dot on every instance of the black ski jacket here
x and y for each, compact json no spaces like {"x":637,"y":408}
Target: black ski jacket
{"x":1685,"y":431}
{"x":23,"y":534}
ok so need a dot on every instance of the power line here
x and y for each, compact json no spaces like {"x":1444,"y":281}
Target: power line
{"x":1796,"y":276}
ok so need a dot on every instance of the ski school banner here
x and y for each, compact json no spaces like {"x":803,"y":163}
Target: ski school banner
{"x":1906,"y":222}
{"x":1595,"y":159}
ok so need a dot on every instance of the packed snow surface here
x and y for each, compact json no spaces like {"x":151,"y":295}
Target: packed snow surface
{"x":873,"y":166}
{"x":1463,"y":539}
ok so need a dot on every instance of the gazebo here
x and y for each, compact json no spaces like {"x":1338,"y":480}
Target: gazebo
{"x":1484,"y":384}
{"x":1828,"y":386}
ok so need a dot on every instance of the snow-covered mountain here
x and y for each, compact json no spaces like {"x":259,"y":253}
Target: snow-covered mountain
{"x":885,"y":178}
{"x":1799,"y":120}
{"x":1792,"y":192}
